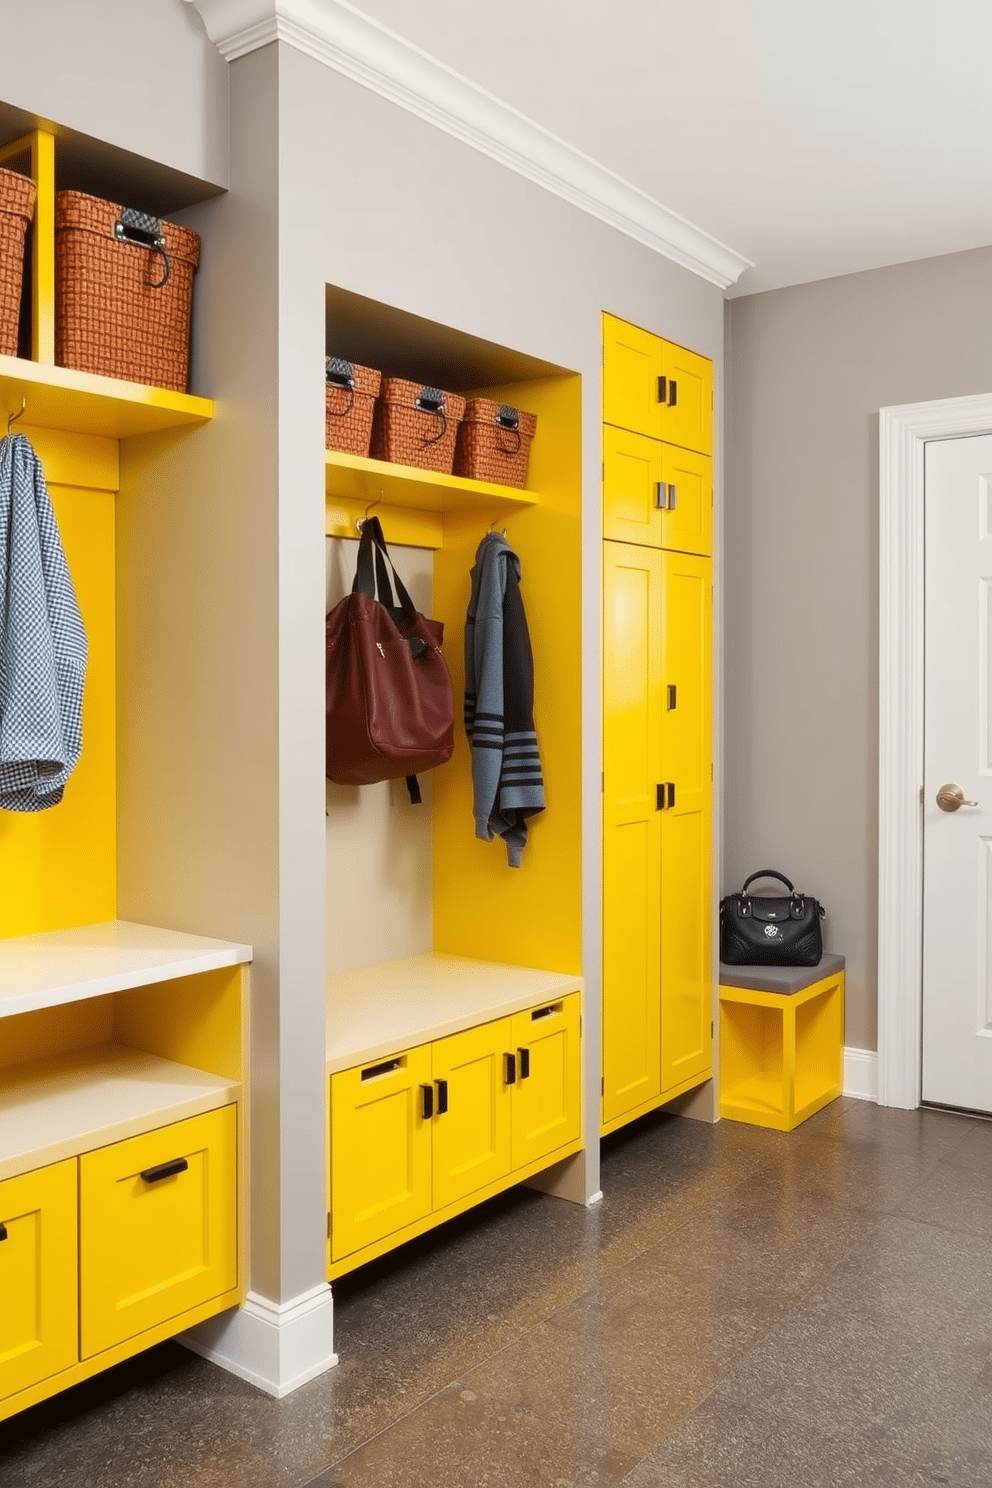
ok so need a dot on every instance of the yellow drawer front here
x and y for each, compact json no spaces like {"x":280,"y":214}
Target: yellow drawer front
{"x":471,"y":1144}
{"x":380,"y":1150}
{"x":37,"y":1276}
{"x":546,"y":1110}
{"x":687,"y":522}
{"x":688,"y":414}
{"x":153,"y":1243}
{"x":635,"y":489}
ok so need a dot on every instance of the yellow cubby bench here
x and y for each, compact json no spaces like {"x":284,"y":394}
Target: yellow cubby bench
{"x":449,"y":1080}
{"x":122,"y":1048}
{"x":781,"y":1041}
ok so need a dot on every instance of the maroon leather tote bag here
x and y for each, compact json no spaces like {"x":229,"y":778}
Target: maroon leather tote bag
{"x":390,"y":705}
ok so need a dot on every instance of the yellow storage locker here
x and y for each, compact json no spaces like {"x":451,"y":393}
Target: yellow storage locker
{"x":472,"y":1110}
{"x":381,"y":1145}
{"x":157,"y":1227}
{"x":686,"y":825}
{"x":546,"y":1107}
{"x":38,"y":1335}
{"x":656,"y":495}
{"x":655,"y":387}
{"x":632,"y":696}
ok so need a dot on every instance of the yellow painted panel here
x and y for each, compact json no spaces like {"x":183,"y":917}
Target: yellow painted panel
{"x":56,"y":1030}
{"x":197,"y":1020}
{"x":686,"y":718}
{"x":405,"y":526}
{"x":532,"y":915}
{"x":632,"y":681}
{"x":380,"y":1149}
{"x":37,"y":1276}
{"x":471,"y":1140}
{"x":43,"y":249}
{"x":59,"y":866}
{"x":152,"y":1248}
{"x":688,"y":420}
{"x":84,"y":460}
{"x":687,"y":1005}
{"x":635,"y":492}
{"x":633,"y":362}
{"x":546,"y":1096}
{"x":687,"y":523}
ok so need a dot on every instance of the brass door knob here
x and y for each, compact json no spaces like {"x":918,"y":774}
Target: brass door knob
{"x":951,"y":796}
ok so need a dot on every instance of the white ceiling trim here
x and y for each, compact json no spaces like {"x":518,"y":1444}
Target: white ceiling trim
{"x":343,"y":37}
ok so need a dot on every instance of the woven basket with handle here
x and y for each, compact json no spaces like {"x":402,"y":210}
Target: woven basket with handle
{"x":416,"y":425}
{"x":123,"y":291}
{"x":17,"y":194}
{"x":350,"y":404}
{"x":494,"y":442}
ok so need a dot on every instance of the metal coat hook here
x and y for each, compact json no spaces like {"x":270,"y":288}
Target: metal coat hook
{"x":15,"y":416}
{"x":360,"y":523}
{"x":492,"y":527}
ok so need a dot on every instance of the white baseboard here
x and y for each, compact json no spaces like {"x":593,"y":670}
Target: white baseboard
{"x":277,"y":1347}
{"x":861,"y":1074}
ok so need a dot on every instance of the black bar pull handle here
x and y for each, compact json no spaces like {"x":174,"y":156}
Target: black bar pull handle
{"x":661,"y":793}
{"x":662,"y":389}
{"x":673,"y":392}
{"x":427,"y":1109}
{"x":524,"y":1055}
{"x":671,"y":794}
{"x":442,"y":1096}
{"x":672,"y":493}
{"x":510,"y":1074}
{"x":3,"y":1232}
{"x":164,"y":1170}
{"x":661,"y":496}
{"x":672,"y":697}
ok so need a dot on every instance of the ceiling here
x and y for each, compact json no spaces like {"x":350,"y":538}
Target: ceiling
{"x":814,"y":137}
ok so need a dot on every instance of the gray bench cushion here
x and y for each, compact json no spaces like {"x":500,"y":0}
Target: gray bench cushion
{"x":784,"y":979}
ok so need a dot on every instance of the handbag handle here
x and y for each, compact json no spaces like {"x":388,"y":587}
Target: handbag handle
{"x":769,"y":873}
{"x":371,"y":572}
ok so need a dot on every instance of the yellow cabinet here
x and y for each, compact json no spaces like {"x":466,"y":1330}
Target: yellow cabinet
{"x":632,"y":695}
{"x":157,"y":1225}
{"x":546,"y":1100}
{"x":654,"y":387}
{"x":38,"y":1335}
{"x":686,"y":822}
{"x":424,"y":1134}
{"x":655,"y":494}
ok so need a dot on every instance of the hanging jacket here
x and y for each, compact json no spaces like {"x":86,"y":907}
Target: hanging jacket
{"x":508,"y":786}
{"x":42,"y":642}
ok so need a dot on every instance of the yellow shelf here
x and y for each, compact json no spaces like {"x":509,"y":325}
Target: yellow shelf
{"x":62,"y":398}
{"x":356,"y":478}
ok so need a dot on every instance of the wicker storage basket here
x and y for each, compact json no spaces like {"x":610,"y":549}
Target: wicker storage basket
{"x":123,"y":292}
{"x":17,"y":194}
{"x":416,"y":425}
{"x":350,"y":403}
{"x":494,"y":442}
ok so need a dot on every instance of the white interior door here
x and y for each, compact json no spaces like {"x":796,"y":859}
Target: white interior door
{"x":957,"y":857}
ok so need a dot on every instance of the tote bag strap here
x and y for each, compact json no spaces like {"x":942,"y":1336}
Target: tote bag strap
{"x":768,"y":873}
{"x":371,"y":574}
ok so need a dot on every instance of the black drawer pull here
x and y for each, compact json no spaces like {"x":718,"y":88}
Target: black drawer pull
{"x":427,"y":1110}
{"x":662,"y":389}
{"x":673,"y":392}
{"x":164,"y":1170}
{"x":3,"y":1232}
{"x":524,"y":1055}
{"x":386,"y":1068}
{"x":510,"y":1075}
{"x":442,"y":1096}
{"x":545,"y":1012}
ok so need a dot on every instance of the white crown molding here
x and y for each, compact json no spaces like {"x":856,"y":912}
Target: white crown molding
{"x":342,"y":37}
{"x":902,"y":435}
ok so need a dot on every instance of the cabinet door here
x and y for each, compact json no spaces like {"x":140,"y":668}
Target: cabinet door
{"x":157,"y":1227}
{"x":686,"y":832}
{"x":687,"y":521}
{"x":546,"y":1106}
{"x":38,"y":1327}
{"x":634,"y":396}
{"x":687,"y":415}
{"x":632,"y":654}
{"x":471,"y":1126}
{"x":380,"y":1149}
{"x":635,"y":492}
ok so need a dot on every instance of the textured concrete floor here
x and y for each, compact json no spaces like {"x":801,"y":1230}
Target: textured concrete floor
{"x":744,"y":1310}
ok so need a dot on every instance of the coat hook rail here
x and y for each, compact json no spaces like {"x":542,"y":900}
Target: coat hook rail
{"x":15,"y":416}
{"x":360,"y":521}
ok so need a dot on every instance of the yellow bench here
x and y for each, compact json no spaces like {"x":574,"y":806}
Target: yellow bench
{"x":781,"y":1041}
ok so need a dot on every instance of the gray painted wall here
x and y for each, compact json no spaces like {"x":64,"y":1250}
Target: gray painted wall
{"x":140,"y":74}
{"x":807,"y":370}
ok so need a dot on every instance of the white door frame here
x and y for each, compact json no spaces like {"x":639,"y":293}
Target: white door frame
{"x":902,"y":434}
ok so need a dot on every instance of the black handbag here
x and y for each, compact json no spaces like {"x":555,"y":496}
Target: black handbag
{"x":779,"y":931}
